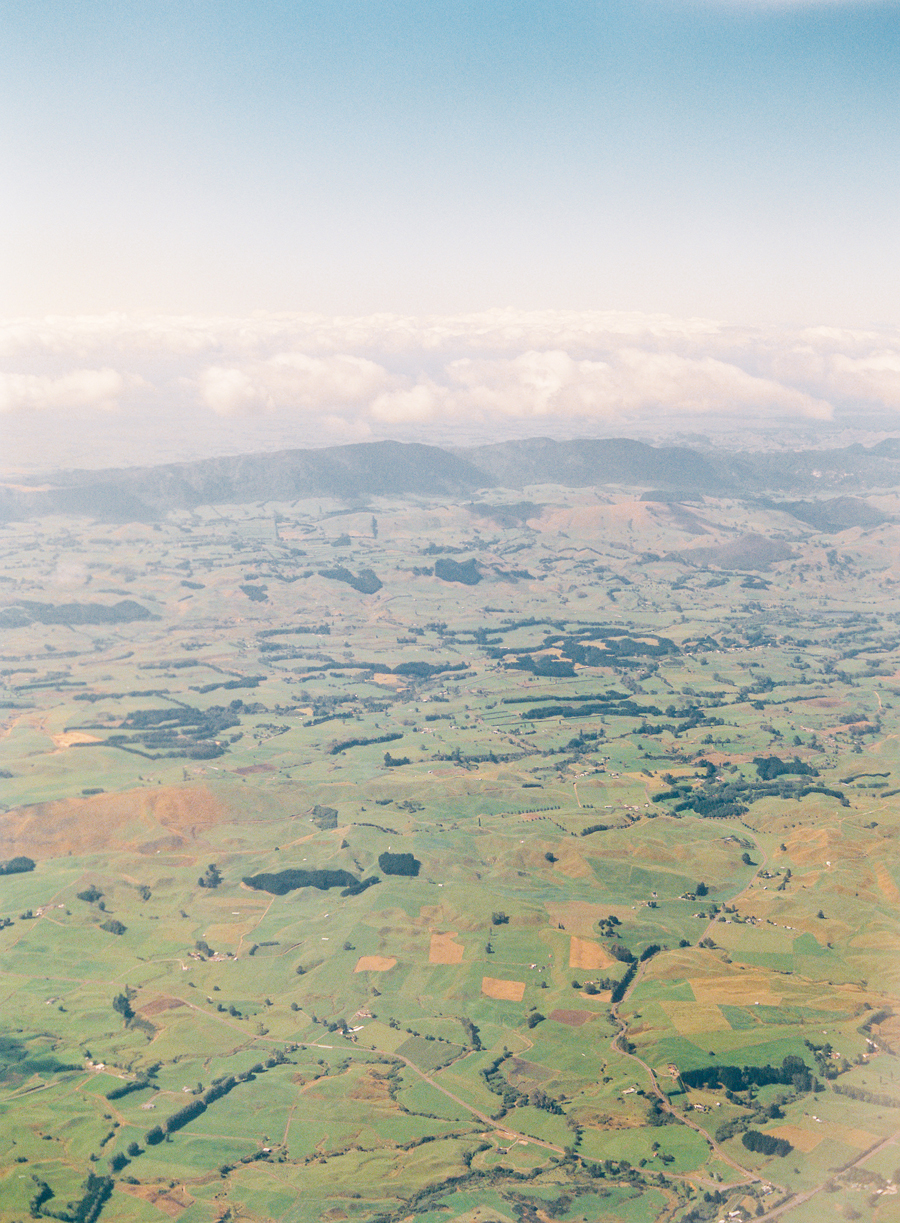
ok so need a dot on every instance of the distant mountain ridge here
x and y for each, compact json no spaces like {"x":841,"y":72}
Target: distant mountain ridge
{"x":370,"y":469}
{"x":583,"y":463}
{"x":360,"y":470}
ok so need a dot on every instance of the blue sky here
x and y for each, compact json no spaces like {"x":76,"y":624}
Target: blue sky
{"x":735,"y":160}
{"x":229,"y":225}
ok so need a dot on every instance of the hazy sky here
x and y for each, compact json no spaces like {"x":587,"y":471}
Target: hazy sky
{"x":311,"y":221}
{"x":735,"y":159}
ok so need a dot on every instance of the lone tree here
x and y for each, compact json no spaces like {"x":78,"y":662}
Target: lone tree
{"x":122,"y":1004}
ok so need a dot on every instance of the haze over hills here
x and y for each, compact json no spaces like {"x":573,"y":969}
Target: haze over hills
{"x":395,"y":832}
{"x":386,"y":468}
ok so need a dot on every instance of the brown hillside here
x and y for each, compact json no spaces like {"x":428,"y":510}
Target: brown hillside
{"x":161,"y":817}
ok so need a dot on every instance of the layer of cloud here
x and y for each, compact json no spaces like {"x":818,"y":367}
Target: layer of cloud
{"x":306,"y":379}
{"x":264,"y":335}
{"x":100,"y":389}
{"x":292,"y":380}
{"x":633,"y":383}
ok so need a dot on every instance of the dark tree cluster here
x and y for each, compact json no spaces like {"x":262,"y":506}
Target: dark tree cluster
{"x":472,"y":1033}
{"x":324,"y":818}
{"x":547,"y":667}
{"x":766,"y":1144}
{"x":126,"y":1089}
{"x":344,"y":744}
{"x":179,"y":731}
{"x":449,"y":570}
{"x":399,"y":864}
{"x":282,"y":882}
{"x":612,"y":709}
{"x":730,"y":799}
{"x":26,"y":612}
{"x":770,"y":767}
{"x":792,"y":1072}
{"x":211,"y":878}
{"x":366,"y":582}
{"x":620,"y":989}
{"x":122,"y":1005}
{"x":17,"y":866}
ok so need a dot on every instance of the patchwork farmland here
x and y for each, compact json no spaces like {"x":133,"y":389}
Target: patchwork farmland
{"x":526,"y":858}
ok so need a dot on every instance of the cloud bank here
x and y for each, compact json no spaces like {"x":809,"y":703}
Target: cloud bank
{"x":101,"y":389}
{"x":267,"y":380}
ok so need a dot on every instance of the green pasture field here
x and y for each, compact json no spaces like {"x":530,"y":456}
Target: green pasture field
{"x":211,"y":982}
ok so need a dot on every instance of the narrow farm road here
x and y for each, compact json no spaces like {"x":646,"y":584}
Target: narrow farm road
{"x":799,"y":1198}
{"x":617,"y":1044}
{"x":483,"y":1117}
{"x":620,"y":1040}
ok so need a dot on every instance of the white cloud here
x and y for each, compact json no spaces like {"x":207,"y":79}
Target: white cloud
{"x":227,"y":390}
{"x":100,"y":389}
{"x":634,"y":382}
{"x":417,"y":404}
{"x":293,"y":380}
{"x":270,"y":379}
{"x":875,"y":377}
{"x":260,"y":336}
